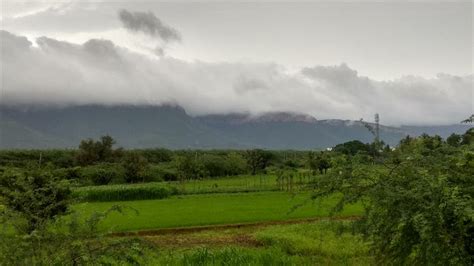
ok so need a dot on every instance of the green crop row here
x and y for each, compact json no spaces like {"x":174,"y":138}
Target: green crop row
{"x":124,"y":193}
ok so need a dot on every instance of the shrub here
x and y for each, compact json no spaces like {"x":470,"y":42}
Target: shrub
{"x":72,"y":173}
{"x":162,"y":172}
{"x":102,"y":177}
{"x":74,"y":241}
{"x":36,"y":197}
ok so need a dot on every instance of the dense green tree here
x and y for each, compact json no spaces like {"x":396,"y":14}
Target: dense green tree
{"x":418,"y":203}
{"x":34,"y":197}
{"x":352,"y":147}
{"x":135,"y":166}
{"x":190,"y":167}
{"x":468,"y":137}
{"x":318,"y":162}
{"x":454,"y":140}
{"x":236,"y":163}
{"x":91,"y":151}
{"x":257,"y":160}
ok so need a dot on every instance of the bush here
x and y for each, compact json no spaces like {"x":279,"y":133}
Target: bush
{"x":72,"y":173}
{"x":36,"y":197}
{"x":74,"y":241}
{"x":162,"y":172}
{"x":102,"y":177}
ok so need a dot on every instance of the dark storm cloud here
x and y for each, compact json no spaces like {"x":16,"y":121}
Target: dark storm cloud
{"x":149,"y":24}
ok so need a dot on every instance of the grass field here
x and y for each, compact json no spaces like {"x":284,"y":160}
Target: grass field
{"x":153,"y":190}
{"x":316,"y":243}
{"x":210,"y":209}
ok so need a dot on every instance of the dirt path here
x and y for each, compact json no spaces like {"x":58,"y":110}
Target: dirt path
{"x":195,"y":229}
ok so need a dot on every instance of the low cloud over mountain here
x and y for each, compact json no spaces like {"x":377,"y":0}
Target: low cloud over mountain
{"x":47,"y":71}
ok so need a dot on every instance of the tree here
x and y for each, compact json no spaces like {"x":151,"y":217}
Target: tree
{"x":257,"y":160}
{"x":32,"y":201}
{"x":418,"y":208}
{"x":351,"y":147}
{"x":189,"y":167}
{"x":468,"y":137}
{"x":318,"y":163}
{"x":91,"y":151}
{"x":135,"y":166}
{"x":454,"y":140}
{"x":34,"y":196}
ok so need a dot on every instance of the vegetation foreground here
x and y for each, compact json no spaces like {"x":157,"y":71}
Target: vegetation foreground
{"x":209,"y":209}
{"x":410,"y":204}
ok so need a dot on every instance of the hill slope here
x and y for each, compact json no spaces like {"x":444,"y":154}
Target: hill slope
{"x":171,"y":127}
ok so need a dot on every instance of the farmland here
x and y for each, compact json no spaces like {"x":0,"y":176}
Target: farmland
{"x":209,"y":209}
{"x":160,"y":207}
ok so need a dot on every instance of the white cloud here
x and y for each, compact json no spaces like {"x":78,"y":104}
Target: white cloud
{"x":100,"y":72}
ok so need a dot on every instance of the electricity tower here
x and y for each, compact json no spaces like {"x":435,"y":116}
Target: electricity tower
{"x":374,"y":129}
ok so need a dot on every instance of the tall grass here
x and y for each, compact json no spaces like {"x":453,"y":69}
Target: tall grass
{"x":229,"y":256}
{"x":124,"y":192}
{"x":160,"y":190}
{"x":328,"y":242}
{"x":319,"y":243}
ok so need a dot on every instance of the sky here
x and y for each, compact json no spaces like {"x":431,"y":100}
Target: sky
{"x":409,"y":61}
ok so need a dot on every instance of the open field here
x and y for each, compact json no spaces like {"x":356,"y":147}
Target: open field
{"x":159,"y":190}
{"x":417,"y":209}
{"x":324,"y":242}
{"x":209,"y":209}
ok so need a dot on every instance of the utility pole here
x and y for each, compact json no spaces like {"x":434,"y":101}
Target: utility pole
{"x":377,"y":129}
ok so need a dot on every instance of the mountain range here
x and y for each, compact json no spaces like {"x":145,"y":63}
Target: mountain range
{"x":171,"y":127}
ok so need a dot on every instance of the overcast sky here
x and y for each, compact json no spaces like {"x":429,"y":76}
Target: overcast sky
{"x":411,"y":62}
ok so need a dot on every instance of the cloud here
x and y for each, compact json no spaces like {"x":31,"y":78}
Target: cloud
{"x":55,"y":17}
{"x":100,"y":72}
{"x":148,"y":24}
{"x":247,"y":84}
